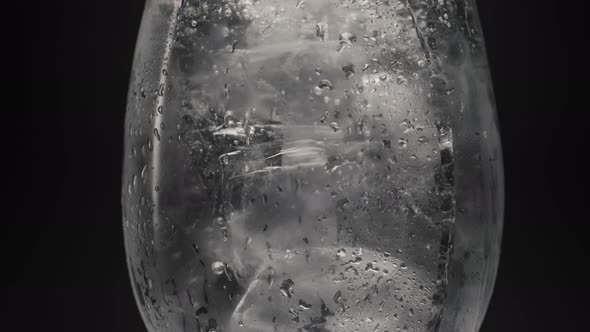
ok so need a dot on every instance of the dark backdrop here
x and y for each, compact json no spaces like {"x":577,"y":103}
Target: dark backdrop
{"x":72,"y":275}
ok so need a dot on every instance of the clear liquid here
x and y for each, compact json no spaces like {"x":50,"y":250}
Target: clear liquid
{"x":302,"y":182}
{"x":354,"y":235}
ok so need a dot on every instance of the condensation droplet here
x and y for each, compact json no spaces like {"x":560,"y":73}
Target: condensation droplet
{"x":321,"y":30}
{"x":304,"y":305}
{"x":402,"y":143}
{"x":143,"y":172}
{"x":345,"y":40}
{"x":348,"y":70}
{"x":334,"y":126}
{"x":217,"y":268}
{"x":287,"y":288}
{"x":323,"y":84}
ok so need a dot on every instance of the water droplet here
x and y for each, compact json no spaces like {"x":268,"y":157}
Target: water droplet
{"x":287,"y":288}
{"x":229,"y":120}
{"x":134,"y":181}
{"x":143,"y":172}
{"x":201,"y":311}
{"x":341,"y":204}
{"x":212,"y":325}
{"x":321,"y":30}
{"x":347,"y":37}
{"x":270,"y":277}
{"x":325,"y":84}
{"x":150,"y":283}
{"x":348,"y":70}
{"x":324,"y":117}
{"x":401,"y":80}
{"x":157,"y":134}
{"x":226,"y":91}
{"x":225,"y":31}
{"x":337,"y":297}
{"x":294,"y":315}
{"x":217,"y":268}
{"x":317,"y":90}
{"x":334,"y":126}
{"x":304,"y":305}
{"x":402,"y":143}
{"x":383,"y":77}
{"x":345,"y":40}
{"x":341,"y":252}
{"x":407,"y":125}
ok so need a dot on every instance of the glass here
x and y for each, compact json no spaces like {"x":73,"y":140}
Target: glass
{"x":312,"y":165}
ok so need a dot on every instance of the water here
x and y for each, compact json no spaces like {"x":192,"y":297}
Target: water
{"x":325,"y":212}
{"x":299,"y":170}
{"x":331,"y":214}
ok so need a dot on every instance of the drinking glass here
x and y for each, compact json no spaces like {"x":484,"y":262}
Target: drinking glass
{"x":312,"y":165}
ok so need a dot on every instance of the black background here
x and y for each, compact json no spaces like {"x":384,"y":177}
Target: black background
{"x":68,"y":245}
